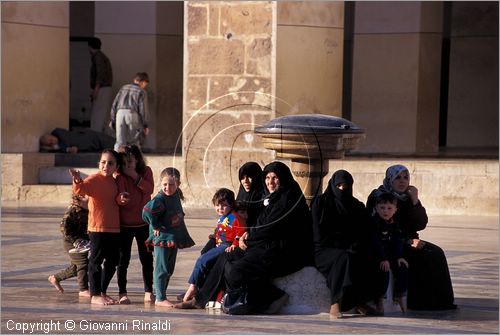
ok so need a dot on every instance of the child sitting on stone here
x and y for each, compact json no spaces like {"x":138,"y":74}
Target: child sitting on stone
{"x":389,"y":242}
{"x":230,"y":227}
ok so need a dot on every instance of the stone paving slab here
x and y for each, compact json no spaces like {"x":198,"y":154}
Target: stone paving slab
{"x":31,"y":250}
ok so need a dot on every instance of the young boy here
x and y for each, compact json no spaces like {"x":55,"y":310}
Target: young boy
{"x":75,"y":241}
{"x":389,"y":242}
{"x":129,"y":112}
{"x":227,"y":233}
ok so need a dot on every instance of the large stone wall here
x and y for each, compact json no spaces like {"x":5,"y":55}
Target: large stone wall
{"x":229,"y":56}
{"x":35,"y":72}
{"x":309,"y":57}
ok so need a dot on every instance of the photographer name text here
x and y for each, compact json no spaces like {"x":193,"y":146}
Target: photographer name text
{"x":86,"y":326}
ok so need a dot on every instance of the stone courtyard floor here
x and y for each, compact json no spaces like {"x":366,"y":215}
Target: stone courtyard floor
{"x":31,"y":250}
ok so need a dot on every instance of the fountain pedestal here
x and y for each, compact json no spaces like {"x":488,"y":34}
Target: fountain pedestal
{"x":310,"y":140}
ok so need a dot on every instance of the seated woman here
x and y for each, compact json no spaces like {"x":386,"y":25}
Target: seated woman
{"x":429,"y":286}
{"x":341,"y":243}
{"x":251,"y":191}
{"x":279,"y":244}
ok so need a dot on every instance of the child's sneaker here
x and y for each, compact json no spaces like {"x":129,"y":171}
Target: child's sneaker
{"x":80,"y":247}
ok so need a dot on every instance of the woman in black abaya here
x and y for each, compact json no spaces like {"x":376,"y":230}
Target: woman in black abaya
{"x":279,"y":244}
{"x":341,"y":243}
{"x":429,"y":286}
{"x":251,"y":191}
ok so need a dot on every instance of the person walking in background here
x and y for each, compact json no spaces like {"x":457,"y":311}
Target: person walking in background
{"x":167,"y":231}
{"x":74,"y":233}
{"x":129,"y":112}
{"x":101,"y":80}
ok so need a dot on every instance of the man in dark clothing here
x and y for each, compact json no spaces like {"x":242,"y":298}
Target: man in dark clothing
{"x":84,"y":140}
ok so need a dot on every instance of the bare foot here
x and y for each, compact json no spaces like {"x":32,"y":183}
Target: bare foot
{"x":84,"y":293}
{"x":53,"y":280}
{"x":124,"y":300}
{"x":164,"y":303}
{"x":190,"y":293}
{"x":99,"y":300}
{"x":110,"y":300}
{"x":335,"y":311}
{"x":149,"y":297}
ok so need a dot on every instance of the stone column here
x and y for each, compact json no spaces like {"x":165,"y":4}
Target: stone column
{"x":310,"y":43}
{"x":396,"y":75}
{"x":35,"y":72}
{"x":229,"y":57}
{"x":473,"y":80}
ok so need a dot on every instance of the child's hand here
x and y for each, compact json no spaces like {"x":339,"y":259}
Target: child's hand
{"x":124,"y":198}
{"x":156,"y":232}
{"x":385,"y":266}
{"x":176,"y":219}
{"x":402,"y":261}
{"x":76,"y":175}
{"x":230,"y":248}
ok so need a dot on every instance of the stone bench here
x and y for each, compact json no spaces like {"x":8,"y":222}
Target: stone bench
{"x":307,"y":290}
{"x":309,"y":294}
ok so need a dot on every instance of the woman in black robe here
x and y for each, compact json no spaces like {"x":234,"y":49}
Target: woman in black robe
{"x":429,"y":286}
{"x":279,"y":244}
{"x":251,"y":191}
{"x":342,"y":243}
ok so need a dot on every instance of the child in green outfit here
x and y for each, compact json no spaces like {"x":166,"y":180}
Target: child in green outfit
{"x":167,"y":231}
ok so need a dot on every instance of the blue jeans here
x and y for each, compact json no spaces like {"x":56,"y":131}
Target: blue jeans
{"x":205,"y":262}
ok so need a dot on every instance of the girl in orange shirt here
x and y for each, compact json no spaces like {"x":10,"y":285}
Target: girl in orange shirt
{"x":104,"y":222}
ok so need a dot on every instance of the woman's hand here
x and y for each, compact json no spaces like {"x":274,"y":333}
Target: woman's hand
{"x":417,"y":244}
{"x":413,"y":193}
{"x":385,"y":266}
{"x":242,"y":242}
{"x":402,"y":261}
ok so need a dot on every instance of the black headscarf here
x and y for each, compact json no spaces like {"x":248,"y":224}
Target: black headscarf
{"x":284,"y":226}
{"x":253,"y":199}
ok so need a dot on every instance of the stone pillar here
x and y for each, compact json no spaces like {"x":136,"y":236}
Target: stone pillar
{"x":396,"y":75}
{"x":229,"y":57}
{"x":309,"y":174}
{"x":35,"y":72}
{"x":310,"y":43}
{"x":473,"y":80}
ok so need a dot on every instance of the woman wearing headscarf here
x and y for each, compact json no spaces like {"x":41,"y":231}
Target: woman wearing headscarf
{"x":429,"y":286}
{"x":279,"y":244}
{"x":251,"y":191}
{"x":341,"y":242}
